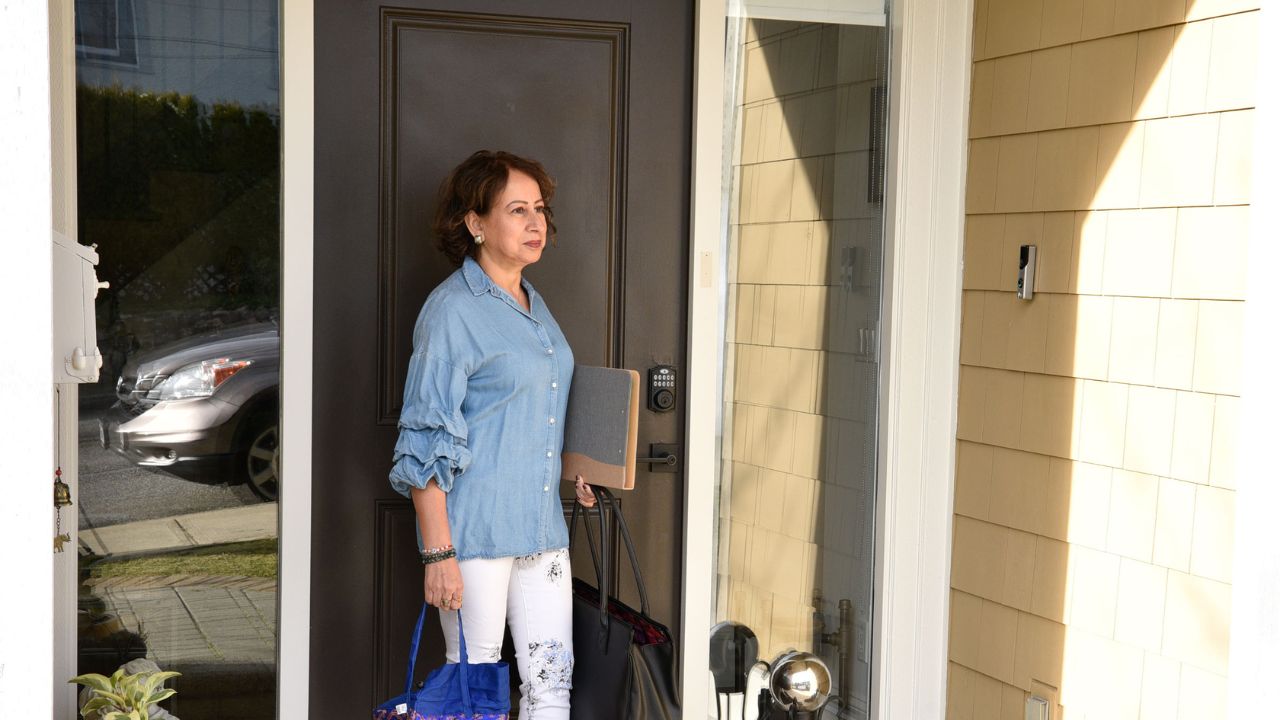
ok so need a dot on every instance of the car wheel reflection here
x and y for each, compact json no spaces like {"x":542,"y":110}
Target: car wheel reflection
{"x":262,"y":462}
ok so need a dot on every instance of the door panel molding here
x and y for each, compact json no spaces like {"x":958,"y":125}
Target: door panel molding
{"x":398,"y":565}
{"x":400,"y":29}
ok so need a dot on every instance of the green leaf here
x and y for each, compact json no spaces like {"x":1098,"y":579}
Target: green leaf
{"x":93,"y":680}
{"x":161,"y":696}
{"x":117,"y":675}
{"x":137,"y":692}
{"x":156,"y":679}
{"x":117,"y":700}
{"x":95,"y":704}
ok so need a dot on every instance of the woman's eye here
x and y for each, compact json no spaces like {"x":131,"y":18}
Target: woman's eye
{"x":518,"y":211}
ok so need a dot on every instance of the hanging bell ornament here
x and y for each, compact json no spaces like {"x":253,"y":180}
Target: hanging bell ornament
{"x":61,"y":491}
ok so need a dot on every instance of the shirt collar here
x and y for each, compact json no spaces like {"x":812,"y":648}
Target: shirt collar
{"x":477,"y":279}
{"x":480,"y":283}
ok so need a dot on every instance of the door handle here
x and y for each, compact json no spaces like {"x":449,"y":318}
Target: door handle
{"x":663,"y":458}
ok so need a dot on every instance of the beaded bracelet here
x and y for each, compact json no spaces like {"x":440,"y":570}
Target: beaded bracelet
{"x":435,"y":557}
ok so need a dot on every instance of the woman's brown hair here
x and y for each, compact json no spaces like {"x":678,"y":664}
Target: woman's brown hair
{"x":475,"y":185}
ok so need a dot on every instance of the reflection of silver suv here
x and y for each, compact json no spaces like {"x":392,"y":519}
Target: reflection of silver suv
{"x":201,"y":403}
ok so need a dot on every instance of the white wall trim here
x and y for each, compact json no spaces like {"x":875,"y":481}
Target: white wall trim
{"x":297,"y":68}
{"x":26,"y":375}
{"x":928,"y":111}
{"x":66,"y":571}
{"x":1255,"y":610}
{"x":706,"y":278}
{"x":66,"y":582}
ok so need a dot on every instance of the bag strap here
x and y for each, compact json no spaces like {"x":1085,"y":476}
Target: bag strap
{"x":610,"y":502}
{"x":629,"y":544}
{"x":602,"y":573}
{"x":463,"y":672}
{"x":413,"y":650}
{"x":573,"y":527}
{"x":464,"y":675}
{"x":616,"y":511}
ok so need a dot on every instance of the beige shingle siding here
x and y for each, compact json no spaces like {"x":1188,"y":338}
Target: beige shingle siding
{"x":1095,"y":471}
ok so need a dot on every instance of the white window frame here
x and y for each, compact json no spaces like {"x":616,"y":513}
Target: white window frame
{"x":931,"y":58}
{"x":297,"y":269}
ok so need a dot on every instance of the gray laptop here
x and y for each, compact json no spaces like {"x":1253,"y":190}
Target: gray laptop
{"x":601,"y":426}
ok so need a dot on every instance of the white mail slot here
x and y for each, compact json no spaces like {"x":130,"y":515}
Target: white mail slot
{"x":75,"y":333}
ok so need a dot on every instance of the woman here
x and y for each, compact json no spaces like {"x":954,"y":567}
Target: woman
{"x":482,"y":428}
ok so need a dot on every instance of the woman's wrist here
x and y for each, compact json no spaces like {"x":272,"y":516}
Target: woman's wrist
{"x":430,"y":557}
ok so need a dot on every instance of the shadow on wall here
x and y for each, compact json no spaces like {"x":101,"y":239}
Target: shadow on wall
{"x":1095,"y":462}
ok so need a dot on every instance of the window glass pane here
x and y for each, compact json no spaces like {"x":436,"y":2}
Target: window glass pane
{"x":106,"y":32}
{"x":178,"y":145}
{"x":96,"y":24}
{"x":804,"y":182}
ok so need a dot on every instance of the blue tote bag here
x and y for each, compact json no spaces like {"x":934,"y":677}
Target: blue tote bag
{"x":456,"y":691}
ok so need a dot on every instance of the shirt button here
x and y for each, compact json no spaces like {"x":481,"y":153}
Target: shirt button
{"x":549,"y":351}
{"x":548,"y":453}
{"x":555,"y":385}
{"x":551,"y":420}
{"x":546,"y":488}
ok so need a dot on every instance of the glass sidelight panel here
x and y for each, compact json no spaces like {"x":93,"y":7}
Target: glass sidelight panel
{"x":178,"y":145}
{"x":805,"y":142}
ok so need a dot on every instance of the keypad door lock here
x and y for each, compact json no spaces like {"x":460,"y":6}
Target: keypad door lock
{"x":662,"y":388}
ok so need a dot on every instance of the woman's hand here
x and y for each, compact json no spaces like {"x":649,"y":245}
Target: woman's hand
{"x":443,"y":584}
{"x":586,"y":497}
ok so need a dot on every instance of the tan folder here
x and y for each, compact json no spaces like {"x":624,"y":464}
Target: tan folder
{"x":601,"y":427}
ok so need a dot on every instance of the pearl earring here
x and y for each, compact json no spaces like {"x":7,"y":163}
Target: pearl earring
{"x":479,"y":238}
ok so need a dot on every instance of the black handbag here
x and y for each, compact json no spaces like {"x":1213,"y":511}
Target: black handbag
{"x":623,"y":665}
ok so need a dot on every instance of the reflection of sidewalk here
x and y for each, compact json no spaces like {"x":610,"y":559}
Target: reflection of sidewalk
{"x":196,"y":619}
{"x":214,"y":527}
{"x":219,"y":631}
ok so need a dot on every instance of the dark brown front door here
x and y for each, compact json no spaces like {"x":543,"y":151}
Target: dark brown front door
{"x":599,"y":91}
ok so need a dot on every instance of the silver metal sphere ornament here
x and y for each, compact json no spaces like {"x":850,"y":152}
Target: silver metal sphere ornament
{"x":799,"y":681}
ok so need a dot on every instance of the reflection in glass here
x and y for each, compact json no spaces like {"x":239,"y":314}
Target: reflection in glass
{"x":797,"y":476}
{"x":178,"y":144}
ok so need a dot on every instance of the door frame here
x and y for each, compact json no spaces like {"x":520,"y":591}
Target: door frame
{"x":925,"y":174}
{"x":297,"y":286}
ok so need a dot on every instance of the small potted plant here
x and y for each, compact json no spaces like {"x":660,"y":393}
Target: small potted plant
{"x":131,"y":693}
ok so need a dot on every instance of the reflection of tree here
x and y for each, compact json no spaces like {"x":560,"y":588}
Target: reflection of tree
{"x":182,"y":199}
{"x":125,"y":135}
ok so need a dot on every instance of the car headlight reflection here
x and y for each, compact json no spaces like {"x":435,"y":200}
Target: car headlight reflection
{"x":197,"y":380}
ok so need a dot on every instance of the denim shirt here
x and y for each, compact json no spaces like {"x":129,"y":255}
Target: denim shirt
{"x":483,"y":414}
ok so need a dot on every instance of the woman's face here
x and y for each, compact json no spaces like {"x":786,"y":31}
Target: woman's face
{"x":515,"y":228}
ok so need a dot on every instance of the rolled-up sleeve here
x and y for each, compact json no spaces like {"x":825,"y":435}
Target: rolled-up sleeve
{"x":433,"y":432}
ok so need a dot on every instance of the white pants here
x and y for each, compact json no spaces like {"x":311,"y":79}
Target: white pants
{"x":532,"y":594}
